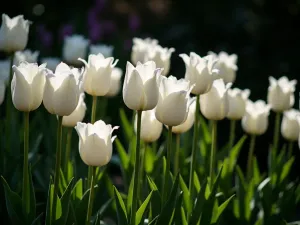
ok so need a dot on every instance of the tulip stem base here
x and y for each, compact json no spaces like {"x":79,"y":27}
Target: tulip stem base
{"x":68,"y":151}
{"x":57,"y":166}
{"x":176,"y":155}
{"x":91,"y":198}
{"x":276,"y":133}
{"x":232,"y":134}
{"x":136,"y":181}
{"x":25,"y":190}
{"x":250,"y":156}
{"x":213,"y":152}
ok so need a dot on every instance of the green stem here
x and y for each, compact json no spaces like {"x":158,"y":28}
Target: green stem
{"x":68,"y":151}
{"x":290,"y":149}
{"x":232,"y":133}
{"x":276,"y":132}
{"x":250,"y":156}
{"x":136,"y":169}
{"x":167,"y":173}
{"x":213,"y":152}
{"x":25,"y":194}
{"x":194,"y":148}
{"x":91,"y":199}
{"x":57,"y":166}
{"x":176,"y":155}
{"x":143,"y":150}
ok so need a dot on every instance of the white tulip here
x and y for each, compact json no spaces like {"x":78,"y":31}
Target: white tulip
{"x":140,"y":49}
{"x":62,"y":90}
{"x":151,"y":128}
{"x":27,"y":86}
{"x":105,"y":50}
{"x":226,"y":65}
{"x":255,"y":120}
{"x":77,"y":115}
{"x":52,"y":62}
{"x":140,"y":88}
{"x":173,"y":104}
{"x":214,"y":105}
{"x":237,"y":103}
{"x":75,"y":47}
{"x":281,"y":94}
{"x":185,"y":126}
{"x":289,"y":125}
{"x":95,"y":142}
{"x":97,"y":74}
{"x":199,"y":71}
{"x":161,"y":56}
{"x":115,"y":82}
{"x":27,"y":55}
{"x":13,"y":33}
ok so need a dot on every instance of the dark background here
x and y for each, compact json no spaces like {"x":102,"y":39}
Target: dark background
{"x":263,"y":33}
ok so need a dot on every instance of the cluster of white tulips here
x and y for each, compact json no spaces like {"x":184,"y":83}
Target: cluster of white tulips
{"x":158,"y":99}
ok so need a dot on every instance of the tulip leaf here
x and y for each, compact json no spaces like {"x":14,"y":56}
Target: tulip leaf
{"x":77,"y":192}
{"x":177,"y":212}
{"x":286,"y":169}
{"x":130,"y":195}
{"x":50,"y":205}
{"x":156,"y":197}
{"x":32,"y":202}
{"x":121,"y":209}
{"x":234,"y":152}
{"x":37,"y":221}
{"x":197,"y":211}
{"x":196,"y":181}
{"x":205,"y":130}
{"x":63,"y":182}
{"x":221,"y":209}
{"x":126,"y":125}
{"x":186,"y":195}
{"x":141,"y":210}
{"x":122,"y":154}
{"x":150,"y":162}
{"x":81,"y":209}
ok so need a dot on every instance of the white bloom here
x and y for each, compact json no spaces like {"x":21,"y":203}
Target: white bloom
{"x":281,"y":94}
{"x":97,"y":74}
{"x":237,"y":103}
{"x":140,"y":49}
{"x":151,"y":128}
{"x":13,"y":33}
{"x":172,"y":107}
{"x":75,"y":47}
{"x":27,"y":55}
{"x":140,"y":88}
{"x":115,"y":82}
{"x":52,"y":62}
{"x":199,"y":71}
{"x":214,"y":105}
{"x":226,"y":65}
{"x":289,"y":125}
{"x":27,"y":86}
{"x":95,"y":142}
{"x":105,"y":50}
{"x":255,"y":120}
{"x":62,"y":90}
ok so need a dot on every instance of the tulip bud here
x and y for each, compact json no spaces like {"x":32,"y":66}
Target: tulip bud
{"x":95,"y":142}
{"x":255,"y":120}
{"x":172,"y":107}
{"x":140,"y":88}
{"x":97,"y":74}
{"x":214,"y":105}
{"x":13,"y":33}
{"x":237,"y":103}
{"x":105,"y":50}
{"x":140,"y":49}
{"x":27,"y":86}
{"x":161,"y":56}
{"x":27,"y":55}
{"x":51,"y":62}
{"x":199,"y":71}
{"x":62,"y":90}
{"x":115,"y":82}
{"x":226,"y":65}
{"x":281,"y":94}
{"x":186,"y":125}
{"x":151,"y":128}
{"x":289,"y":125}
{"x":75,"y":47}
{"x":77,"y":115}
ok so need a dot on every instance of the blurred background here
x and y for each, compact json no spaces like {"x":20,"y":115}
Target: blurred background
{"x":263,"y":33}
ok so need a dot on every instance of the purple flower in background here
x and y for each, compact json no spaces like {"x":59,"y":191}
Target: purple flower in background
{"x":134,"y":22}
{"x":45,"y":36}
{"x":95,"y":32}
{"x":92,"y":16}
{"x":109,"y":27}
{"x":99,"y":5}
{"x":66,"y":30}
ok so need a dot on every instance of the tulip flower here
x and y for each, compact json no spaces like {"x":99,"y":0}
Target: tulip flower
{"x":151,"y":128}
{"x":140,"y":88}
{"x":27,"y":86}
{"x":214,"y":105}
{"x":161,"y":56}
{"x":200,"y":71}
{"x":62,"y":90}
{"x":51,"y":62}
{"x":237,"y":103}
{"x":226,"y":65}
{"x":13,"y":33}
{"x":289,"y":125}
{"x":140,"y":49}
{"x":75,"y":47}
{"x":115,"y":82}
{"x":105,"y":50}
{"x":97,"y":75}
{"x":27,"y":55}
